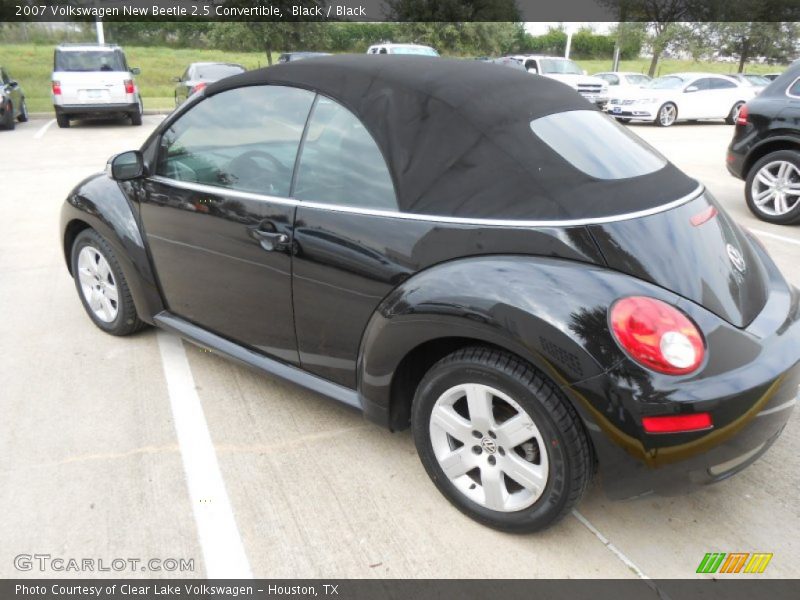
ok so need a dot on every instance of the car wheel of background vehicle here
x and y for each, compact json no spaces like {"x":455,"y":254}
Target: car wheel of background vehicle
{"x":22,"y":117}
{"x":8,"y":117}
{"x":136,"y":117}
{"x":101,"y":285}
{"x":734,"y":114}
{"x":500,"y":441}
{"x":667,"y":115}
{"x":772,"y":188}
{"x":62,"y":120}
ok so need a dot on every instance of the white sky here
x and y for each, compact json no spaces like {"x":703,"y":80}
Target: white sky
{"x":541,"y":28}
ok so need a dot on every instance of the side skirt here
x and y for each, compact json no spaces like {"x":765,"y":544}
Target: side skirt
{"x":219,"y":345}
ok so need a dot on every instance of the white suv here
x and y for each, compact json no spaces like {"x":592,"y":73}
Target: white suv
{"x":415,"y":49}
{"x":594,"y":89}
{"x":90,"y":80}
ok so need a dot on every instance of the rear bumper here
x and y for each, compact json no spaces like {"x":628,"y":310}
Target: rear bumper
{"x":84,"y":110}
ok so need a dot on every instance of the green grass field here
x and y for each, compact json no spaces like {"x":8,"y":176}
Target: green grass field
{"x":32,"y":64}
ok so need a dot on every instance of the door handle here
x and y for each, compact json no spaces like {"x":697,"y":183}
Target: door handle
{"x":269,"y":239}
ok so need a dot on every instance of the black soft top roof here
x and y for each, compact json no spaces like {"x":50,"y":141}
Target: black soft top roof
{"x":457,"y":138}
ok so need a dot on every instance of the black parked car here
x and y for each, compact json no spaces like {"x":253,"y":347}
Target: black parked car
{"x":199,"y":75}
{"x":452,"y":247}
{"x":765,"y":150}
{"x":12,"y":102}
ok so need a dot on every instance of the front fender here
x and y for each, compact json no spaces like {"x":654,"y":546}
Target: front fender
{"x":551,"y":312}
{"x":100,"y":203}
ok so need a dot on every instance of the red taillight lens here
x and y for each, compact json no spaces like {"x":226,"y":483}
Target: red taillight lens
{"x":198,"y":87}
{"x":56,"y":88}
{"x":657,"y":335}
{"x":129,"y":87}
{"x":677,"y":423}
{"x":743,"y":114}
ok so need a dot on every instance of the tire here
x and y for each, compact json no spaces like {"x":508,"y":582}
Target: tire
{"x":765,"y":176}
{"x":623,"y":120}
{"x":662,"y":117}
{"x":95,"y":267}
{"x":62,"y":120}
{"x":551,"y":449}
{"x":136,"y":117}
{"x":734,"y":114}
{"x":8,"y":121}
{"x":22,"y":117}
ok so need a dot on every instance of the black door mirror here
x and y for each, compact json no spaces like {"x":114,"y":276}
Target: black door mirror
{"x":136,"y":71}
{"x":12,"y":84}
{"x":126,"y":166}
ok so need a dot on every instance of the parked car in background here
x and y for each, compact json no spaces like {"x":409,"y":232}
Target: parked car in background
{"x":91,"y":80}
{"x":623,"y":79}
{"x":771,"y":76}
{"x":198,"y":75}
{"x":507,"y":61}
{"x":292,"y":56}
{"x":413,"y":49}
{"x":594,"y":89}
{"x":12,"y":101}
{"x":765,"y":150}
{"x":681,"y":97}
{"x":758,"y":82}
{"x":533,"y":290}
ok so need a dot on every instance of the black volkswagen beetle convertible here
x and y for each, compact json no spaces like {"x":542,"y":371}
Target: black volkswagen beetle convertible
{"x":470,"y":251}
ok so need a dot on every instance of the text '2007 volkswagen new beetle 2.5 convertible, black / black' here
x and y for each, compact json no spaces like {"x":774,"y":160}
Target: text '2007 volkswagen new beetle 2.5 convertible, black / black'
{"x":470,"y":251}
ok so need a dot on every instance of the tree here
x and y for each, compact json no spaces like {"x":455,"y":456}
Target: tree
{"x":749,"y":40}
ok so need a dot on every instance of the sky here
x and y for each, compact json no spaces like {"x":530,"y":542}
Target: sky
{"x":540,"y":28}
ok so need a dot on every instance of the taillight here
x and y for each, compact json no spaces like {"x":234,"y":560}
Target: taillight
{"x":56,"y":88}
{"x":741,"y":119}
{"x":129,"y":87}
{"x":657,"y":335}
{"x":198,"y":86}
{"x":677,"y":423}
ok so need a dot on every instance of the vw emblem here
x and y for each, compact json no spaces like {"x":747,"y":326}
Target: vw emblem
{"x":736,"y":258}
{"x":489,"y":446}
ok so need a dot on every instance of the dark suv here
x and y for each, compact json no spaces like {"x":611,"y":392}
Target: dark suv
{"x":765,"y":150}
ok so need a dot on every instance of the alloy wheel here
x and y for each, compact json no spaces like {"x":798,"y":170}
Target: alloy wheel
{"x":489,"y":447}
{"x":97,"y":284}
{"x":667,"y":115}
{"x":776,"y":188}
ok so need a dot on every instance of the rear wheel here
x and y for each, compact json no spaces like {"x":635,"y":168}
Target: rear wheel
{"x":499,"y":440}
{"x":8,"y":121}
{"x":734,"y":114}
{"x":101,"y":285}
{"x":667,"y":115}
{"x":22,"y":117}
{"x":136,"y":117}
{"x":772,"y":188}
{"x":62,"y":120}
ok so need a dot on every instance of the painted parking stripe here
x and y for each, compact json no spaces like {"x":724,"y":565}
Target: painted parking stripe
{"x":43,"y":129}
{"x":221,"y":543}
{"x":775,"y":236}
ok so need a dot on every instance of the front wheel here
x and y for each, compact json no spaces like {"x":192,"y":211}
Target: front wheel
{"x":772,"y":188}
{"x":101,"y":285}
{"x":499,"y":440}
{"x":667,"y":115}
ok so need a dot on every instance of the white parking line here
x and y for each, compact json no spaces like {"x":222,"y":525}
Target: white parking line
{"x":782,"y":238}
{"x":43,"y":129}
{"x":223,"y":551}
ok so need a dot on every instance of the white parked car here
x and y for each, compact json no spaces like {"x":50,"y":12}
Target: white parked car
{"x":90,"y":80}
{"x":623,"y":79}
{"x":681,"y":96}
{"x":759,"y":82}
{"x":416,"y":49}
{"x":594,"y":89}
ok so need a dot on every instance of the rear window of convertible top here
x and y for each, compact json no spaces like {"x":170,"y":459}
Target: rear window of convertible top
{"x":597,"y":145}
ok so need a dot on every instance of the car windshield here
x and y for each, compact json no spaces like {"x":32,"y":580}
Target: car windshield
{"x":671,"y":82}
{"x":638,"y":79}
{"x":89,"y":60}
{"x":559,"y":66}
{"x":757,"y":79}
{"x":215,"y":72}
{"x":421,"y":50}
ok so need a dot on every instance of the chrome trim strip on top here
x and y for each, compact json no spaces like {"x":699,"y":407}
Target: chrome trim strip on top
{"x":210,"y":189}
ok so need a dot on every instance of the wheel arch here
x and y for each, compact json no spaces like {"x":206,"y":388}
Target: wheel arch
{"x":772,"y":144}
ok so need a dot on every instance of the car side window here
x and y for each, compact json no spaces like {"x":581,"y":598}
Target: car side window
{"x":702,"y":85}
{"x":794,"y":89}
{"x":340,"y":163}
{"x":721,"y":84}
{"x":611,"y":79}
{"x":244,"y":139}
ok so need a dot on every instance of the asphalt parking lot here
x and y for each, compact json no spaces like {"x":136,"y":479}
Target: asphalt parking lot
{"x":91,"y":464}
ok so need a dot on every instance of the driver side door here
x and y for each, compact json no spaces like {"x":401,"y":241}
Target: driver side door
{"x":217,"y":220}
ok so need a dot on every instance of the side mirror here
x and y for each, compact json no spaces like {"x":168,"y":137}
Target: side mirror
{"x":125,"y":166}
{"x":691,"y":88}
{"x":135,"y":71}
{"x":12,"y":84}
{"x":176,"y":79}
{"x":533,"y":70}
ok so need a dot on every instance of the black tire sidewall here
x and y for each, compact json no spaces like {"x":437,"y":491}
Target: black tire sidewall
{"x":550,"y":504}
{"x":90,"y":238}
{"x":793,"y":216}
